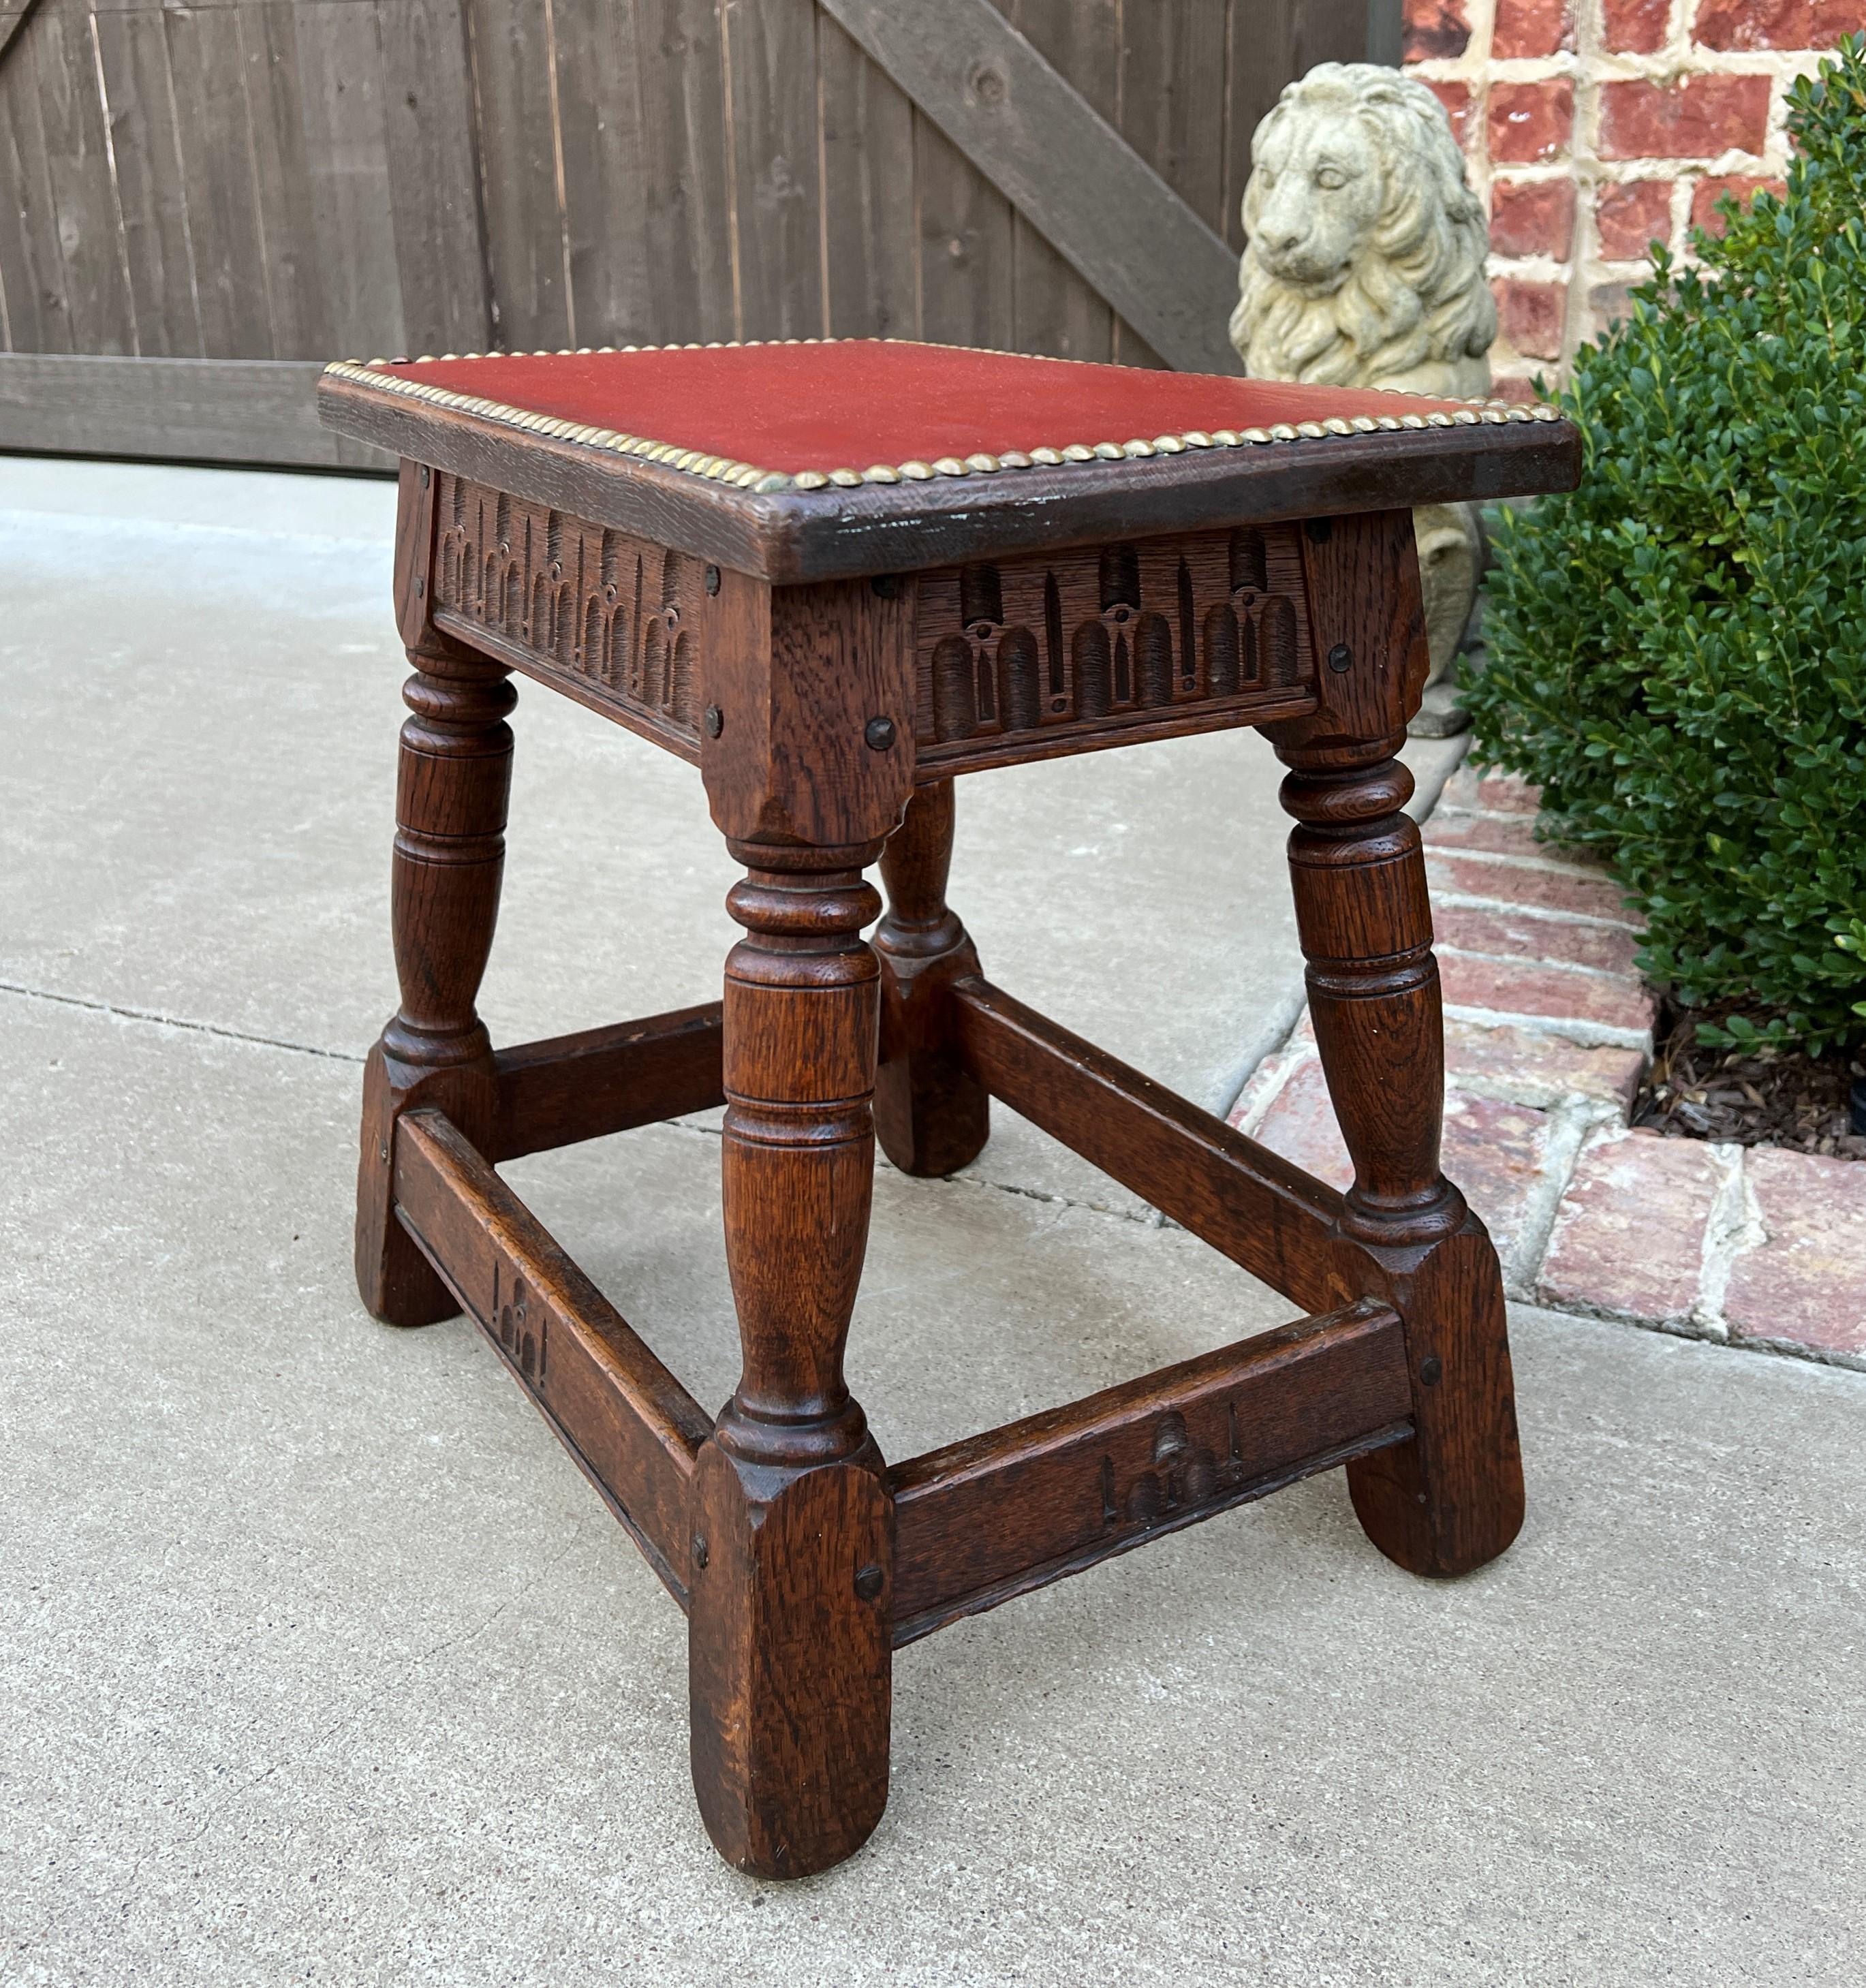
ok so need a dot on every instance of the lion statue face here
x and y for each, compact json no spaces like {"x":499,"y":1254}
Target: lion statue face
{"x":1315,"y":197}
{"x":1365,"y":265}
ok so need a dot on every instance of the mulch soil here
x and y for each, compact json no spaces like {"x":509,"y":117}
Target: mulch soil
{"x":1744,"y":1097}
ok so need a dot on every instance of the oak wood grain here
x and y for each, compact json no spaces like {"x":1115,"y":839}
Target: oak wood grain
{"x":1451,"y":1498}
{"x":588,"y":1085}
{"x":789,"y":1670}
{"x":454,"y":775}
{"x":1018,"y":1507}
{"x":1248,"y":1202}
{"x":632,"y":1427}
{"x":932,"y":1114}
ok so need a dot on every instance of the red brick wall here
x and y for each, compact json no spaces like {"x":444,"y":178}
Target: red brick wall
{"x":1596,"y":127}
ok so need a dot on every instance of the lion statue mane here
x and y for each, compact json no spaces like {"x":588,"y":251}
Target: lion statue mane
{"x":1365,"y":267}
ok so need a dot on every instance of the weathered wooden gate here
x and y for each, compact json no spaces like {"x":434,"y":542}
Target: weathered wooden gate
{"x":199,"y":203}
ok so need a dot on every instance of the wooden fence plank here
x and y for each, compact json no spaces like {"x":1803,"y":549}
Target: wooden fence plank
{"x":1172,"y":99}
{"x":214,"y":122}
{"x":249,"y":178}
{"x":12,"y":18}
{"x":770,"y":52}
{"x":139,"y":102}
{"x":31,"y":268}
{"x":524,"y":209}
{"x":1175,"y":86}
{"x":259,"y":411}
{"x":1040,"y":142}
{"x":1386,"y":33}
{"x":282,"y":176}
{"x":682,"y":72}
{"x":433,"y":153}
{"x":352,"y":224}
{"x":1326,"y":31}
{"x":967,"y":273}
{"x":1262,"y":33}
{"x":1273,"y":41}
{"x":869,"y":252}
{"x":83,"y":186}
{"x":1055,"y":310}
{"x":599,"y":115}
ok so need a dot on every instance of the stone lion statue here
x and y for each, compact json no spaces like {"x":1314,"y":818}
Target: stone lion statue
{"x":1365,"y":268}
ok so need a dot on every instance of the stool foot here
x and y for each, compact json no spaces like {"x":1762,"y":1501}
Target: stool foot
{"x":931,"y":1116}
{"x":790,"y":1659}
{"x":1451,"y":1498}
{"x":394,"y":1279}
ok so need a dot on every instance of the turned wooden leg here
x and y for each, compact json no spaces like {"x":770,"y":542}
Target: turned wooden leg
{"x":455,"y":773}
{"x":790,"y":1649}
{"x":1451,"y":1498}
{"x":933,"y":1116}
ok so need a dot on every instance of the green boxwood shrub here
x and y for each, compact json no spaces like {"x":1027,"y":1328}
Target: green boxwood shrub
{"x":1678,"y":648}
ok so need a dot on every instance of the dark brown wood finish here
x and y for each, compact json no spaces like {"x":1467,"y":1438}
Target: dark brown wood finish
{"x":570,"y":1088}
{"x":617,"y":622}
{"x":1028,"y":658}
{"x":1248,"y":1203}
{"x":827,"y":717}
{"x":454,"y":776}
{"x":1452,"y":1498}
{"x":634,"y":1430}
{"x":932,"y":1115}
{"x":792,"y":537}
{"x":997,"y":1514}
{"x":789,"y":1671}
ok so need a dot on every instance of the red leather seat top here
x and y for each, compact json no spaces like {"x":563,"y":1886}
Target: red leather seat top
{"x":851,"y":403}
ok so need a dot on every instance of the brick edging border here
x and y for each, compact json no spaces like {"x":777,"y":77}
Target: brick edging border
{"x":1548,"y":1035}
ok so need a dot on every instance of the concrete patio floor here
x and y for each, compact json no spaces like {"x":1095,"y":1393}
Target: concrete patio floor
{"x":323,"y":1663}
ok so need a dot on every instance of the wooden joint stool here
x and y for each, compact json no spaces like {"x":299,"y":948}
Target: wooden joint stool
{"x":834,"y":575}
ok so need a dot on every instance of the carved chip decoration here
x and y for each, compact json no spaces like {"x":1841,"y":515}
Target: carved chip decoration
{"x":1211,"y":624}
{"x":618,"y":614}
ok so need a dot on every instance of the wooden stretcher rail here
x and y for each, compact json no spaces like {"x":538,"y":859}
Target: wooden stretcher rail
{"x":630,"y":1423}
{"x":584,"y":1087}
{"x":1249,"y":1204}
{"x":990,"y":1517}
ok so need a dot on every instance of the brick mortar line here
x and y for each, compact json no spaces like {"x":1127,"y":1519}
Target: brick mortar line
{"x":1546,"y":866}
{"x":1621,"y":65}
{"x":1586,"y":276}
{"x":1570,"y":1028}
{"x":1446,"y":950}
{"x":1291,"y":1055}
{"x":1464,"y":901}
{"x":1730,"y":1232}
{"x":1571,"y":1122}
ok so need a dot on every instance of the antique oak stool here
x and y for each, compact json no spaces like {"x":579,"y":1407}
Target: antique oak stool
{"x":834,"y":575}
